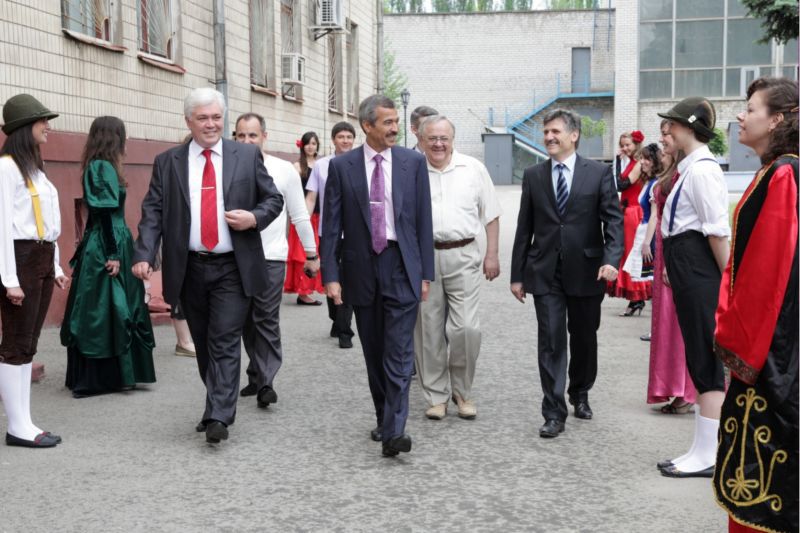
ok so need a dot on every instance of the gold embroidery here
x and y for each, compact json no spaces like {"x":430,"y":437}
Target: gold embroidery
{"x":749,"y":491}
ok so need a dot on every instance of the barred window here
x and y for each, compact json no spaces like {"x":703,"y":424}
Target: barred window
{"x":351,"y":51}
{"x":157,"y":22}
{"x":95,"y":18}
{"x":262,"y":43}
{"x":334,"y":72}
{"x":290,"y":43}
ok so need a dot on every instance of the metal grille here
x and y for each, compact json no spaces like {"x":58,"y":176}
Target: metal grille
{"x":351,"y":49}
{"x":262,"y":50}
{"x":334,"y":73}
{"x":155,"y":27}
{"x":90,"y":17}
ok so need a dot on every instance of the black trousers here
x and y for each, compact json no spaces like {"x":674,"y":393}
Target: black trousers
{"x":213,"y":300}
{"x":695,"y":277}
{"x":341,"y":315}
{"x":557,"y":314}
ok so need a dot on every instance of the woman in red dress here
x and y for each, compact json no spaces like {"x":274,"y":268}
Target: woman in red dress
{"x":296,"y":279}
{"x":630,"y":183}
{"x":756,"y":479}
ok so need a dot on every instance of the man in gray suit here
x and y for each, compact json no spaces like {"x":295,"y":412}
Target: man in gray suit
{"x":209,"y":199}
{"x":569,"y":237}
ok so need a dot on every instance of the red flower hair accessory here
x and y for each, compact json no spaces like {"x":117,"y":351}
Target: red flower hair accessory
{"x":637,"y":136}
{"x":299,"y":143}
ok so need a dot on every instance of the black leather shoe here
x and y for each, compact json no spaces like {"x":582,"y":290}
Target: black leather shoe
{"x":672,"y":471}
{"x":376,"y":434}
{"x":551,"y":429}
{"x":216,"y":431}
{"x":583,"y":411}
{"x":57,"y":437}
{"x":266,"y":396}
{"x":42,"y":440}
{"x":661,"y":465}
{"x":397,"y":445}
{"x":200,"y":427}
{"x":250,"y":390}
{"x":345,"y":342}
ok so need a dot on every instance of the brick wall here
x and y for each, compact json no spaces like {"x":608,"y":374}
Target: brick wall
{"x":81,"y":81}
{"x":463,"y":64}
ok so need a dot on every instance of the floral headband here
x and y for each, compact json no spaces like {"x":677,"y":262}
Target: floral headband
{"x":637,"y":136}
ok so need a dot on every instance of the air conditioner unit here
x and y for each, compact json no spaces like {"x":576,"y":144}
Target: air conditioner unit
{"x":330,"y":14}
{"x":293,"y":69}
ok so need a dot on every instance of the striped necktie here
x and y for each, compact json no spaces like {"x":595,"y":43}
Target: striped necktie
{"x":561,"y":190}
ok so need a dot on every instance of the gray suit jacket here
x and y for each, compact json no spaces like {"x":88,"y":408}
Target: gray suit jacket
{"x":166,"y":214}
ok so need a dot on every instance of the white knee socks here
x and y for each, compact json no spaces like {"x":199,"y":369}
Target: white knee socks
{"x":11,"y":390}
{"x":703,"y":453}
{"x":27,"y":370}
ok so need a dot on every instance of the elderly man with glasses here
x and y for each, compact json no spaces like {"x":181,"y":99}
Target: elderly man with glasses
{"x":447,"y":337}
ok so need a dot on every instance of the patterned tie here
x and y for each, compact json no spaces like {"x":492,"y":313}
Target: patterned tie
{"x":377,"y":207}
{"x":208,"y":205}
{"x":561,"y":191}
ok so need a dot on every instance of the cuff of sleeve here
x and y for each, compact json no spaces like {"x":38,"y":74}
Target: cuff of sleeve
{"x":10,"y":281}
{"x":59,"y":271}
{"x":716,"y":230}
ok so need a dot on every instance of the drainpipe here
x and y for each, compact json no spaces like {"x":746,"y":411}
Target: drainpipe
{"x":220,"y":79}
{"x":379,"y":47}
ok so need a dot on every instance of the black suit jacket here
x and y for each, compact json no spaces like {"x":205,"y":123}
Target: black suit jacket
{"x":166,"y":214}
{"x":588,"y":236}
{"x":347,"y":212}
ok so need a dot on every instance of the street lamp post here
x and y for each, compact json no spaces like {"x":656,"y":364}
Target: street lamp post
{"x":405,"y":96}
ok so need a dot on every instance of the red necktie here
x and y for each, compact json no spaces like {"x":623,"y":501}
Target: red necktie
{"x":208,"y":205}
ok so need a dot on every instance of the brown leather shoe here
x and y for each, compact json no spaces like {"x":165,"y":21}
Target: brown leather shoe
{"x":185,"y":352}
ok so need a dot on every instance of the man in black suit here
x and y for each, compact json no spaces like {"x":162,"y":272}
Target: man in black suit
{"x":569,"y":236}
{"x":209,"y":199}
{"x":378,"y":220}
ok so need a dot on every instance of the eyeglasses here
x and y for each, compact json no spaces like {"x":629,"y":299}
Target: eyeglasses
{"x":442,"y":139}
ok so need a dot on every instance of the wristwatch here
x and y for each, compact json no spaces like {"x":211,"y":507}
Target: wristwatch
{"x":312,"y":258}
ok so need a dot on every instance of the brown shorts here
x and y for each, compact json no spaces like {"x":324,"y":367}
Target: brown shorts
{"x":23,"y":323}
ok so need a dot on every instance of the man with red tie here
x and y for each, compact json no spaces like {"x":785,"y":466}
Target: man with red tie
{"x":208,"y":200}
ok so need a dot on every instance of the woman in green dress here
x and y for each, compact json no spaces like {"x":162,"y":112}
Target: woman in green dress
{"x":106,"y":327}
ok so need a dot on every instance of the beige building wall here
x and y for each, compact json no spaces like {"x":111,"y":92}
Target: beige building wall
{"x":80,"y":81}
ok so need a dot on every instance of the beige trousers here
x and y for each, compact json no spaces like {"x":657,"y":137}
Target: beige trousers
{"x":449,"y":319}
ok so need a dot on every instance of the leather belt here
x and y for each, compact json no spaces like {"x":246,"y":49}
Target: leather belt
{"x":207,"y":256}
{"x":447,"y":245}
{"x":42,"y":242}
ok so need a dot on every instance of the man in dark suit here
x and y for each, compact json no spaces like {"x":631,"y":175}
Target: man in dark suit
{"x":209,"y":199}
{"x":378,"y":211}
{"x":569,"y":236}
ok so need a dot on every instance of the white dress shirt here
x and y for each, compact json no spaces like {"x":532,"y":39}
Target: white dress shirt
{"x":386,"y":166}
{"x":17,"y":221}
{"x":703,"y":202}
{"x":316,"y":183}
{"x":273,"y":237}
{"x":197,"y":163}
{"x":463,"y":199}
{"x":568,"y":171}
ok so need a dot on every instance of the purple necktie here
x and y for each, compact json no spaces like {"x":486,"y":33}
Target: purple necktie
{"x":377,"y":207}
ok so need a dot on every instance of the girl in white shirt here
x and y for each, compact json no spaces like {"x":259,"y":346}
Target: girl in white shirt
{"x":30,"y":223}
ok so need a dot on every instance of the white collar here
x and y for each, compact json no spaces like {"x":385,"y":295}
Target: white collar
{"x":370,"y":153}
{"x":195,"y":149}
{"x":568,"y":162}
{"x":700,"y":153}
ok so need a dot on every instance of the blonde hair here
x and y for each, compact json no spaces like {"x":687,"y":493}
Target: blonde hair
{"x":637,"y":154}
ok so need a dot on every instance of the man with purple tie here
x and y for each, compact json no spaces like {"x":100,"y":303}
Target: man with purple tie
{"x":377,"y":199}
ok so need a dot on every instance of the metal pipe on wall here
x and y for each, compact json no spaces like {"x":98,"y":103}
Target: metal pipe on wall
{"x":379,"y":46}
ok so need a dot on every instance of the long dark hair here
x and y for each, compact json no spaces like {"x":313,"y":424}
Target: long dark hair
{"x":22,"y":148}
{"x":652,"y":153}
{"x":780,"y":96}
{"x":106,"y":141}
{"x":304,"y":140}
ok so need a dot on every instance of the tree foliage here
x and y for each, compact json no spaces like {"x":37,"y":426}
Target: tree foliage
{"x":779,"y":18}
{"x":571,"y":4}
{"x":718,"y":144}
{"x":394,"y":80}
{"x":592,"y":128}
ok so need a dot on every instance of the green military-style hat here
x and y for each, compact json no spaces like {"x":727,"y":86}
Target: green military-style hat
{"x":696,"y":113}
{"x":21,"y":110}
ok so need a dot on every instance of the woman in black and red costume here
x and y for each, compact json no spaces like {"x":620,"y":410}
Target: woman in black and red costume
{"x":756,"y":479}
